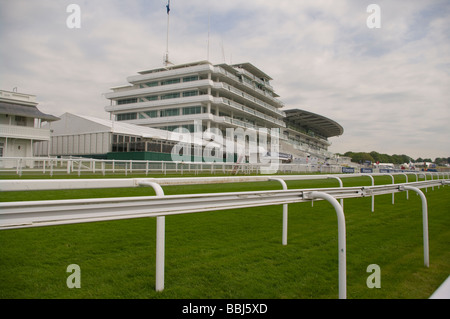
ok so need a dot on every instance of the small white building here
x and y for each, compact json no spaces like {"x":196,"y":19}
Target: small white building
{"x":21,"y":125}
{"x":86,"y":136}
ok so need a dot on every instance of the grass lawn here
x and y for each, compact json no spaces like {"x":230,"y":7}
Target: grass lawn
{"x":235,"y":253}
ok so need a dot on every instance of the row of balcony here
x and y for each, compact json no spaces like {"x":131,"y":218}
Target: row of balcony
{"x":255,"y":78}
{"x":196,"y":99}
{"x":237,"y":80}
{"x":313,"y":150}
{"x":190,"y":85}
{"x":136,"y":92}
{"x":24,"y":132}
{"x":248,"y":97}
{"x":246,"y":125}
{"x":202,"y":83}
{"x":314,"y":136}
{"x":182,"y":71}
{"x":248,"y":110}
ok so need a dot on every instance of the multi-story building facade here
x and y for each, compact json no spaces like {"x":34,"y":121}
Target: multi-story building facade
{"x":181,"y":96}
{"x":21,"y":124}
{"x":219,"y":96}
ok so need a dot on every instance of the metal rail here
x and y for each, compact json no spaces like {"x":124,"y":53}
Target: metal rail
{"x":52,"y":184}
{"x":56,"y":212}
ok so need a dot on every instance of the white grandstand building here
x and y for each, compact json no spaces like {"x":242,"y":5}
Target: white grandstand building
{"x":219,"y":97}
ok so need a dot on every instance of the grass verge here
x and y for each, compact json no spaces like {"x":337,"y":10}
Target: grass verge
{"x":233,"y":254}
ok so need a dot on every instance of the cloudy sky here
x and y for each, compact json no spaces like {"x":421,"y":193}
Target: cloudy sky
{"x":389,"y":87}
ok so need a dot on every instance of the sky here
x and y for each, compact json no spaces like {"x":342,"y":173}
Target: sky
{"x":388,"y":86}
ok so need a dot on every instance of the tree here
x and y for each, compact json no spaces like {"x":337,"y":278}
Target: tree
{"x":441,"y":161}
{"x":359,"y":157}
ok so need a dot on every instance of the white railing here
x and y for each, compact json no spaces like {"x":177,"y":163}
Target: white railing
{"x":80,"y":166}
{"x":53,"y":165}
{"x":59,"y":212}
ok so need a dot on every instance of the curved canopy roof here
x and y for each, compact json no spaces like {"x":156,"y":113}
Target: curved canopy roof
{"x":315,"y":122}
{"x":25,"y":110}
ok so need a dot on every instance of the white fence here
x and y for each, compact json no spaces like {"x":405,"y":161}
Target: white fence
{"x":57,"y":212}
{"x":80,"y":166}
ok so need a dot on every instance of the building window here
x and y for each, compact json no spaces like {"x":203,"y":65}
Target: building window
{"x":190,"y":93}
{"x":190,"y":78}
{"x":247,"y":80}
{"x":2,"y":146}
{"x":189,"y":127}
{"x":124,"y":143}
{"x":151,"y":84}
{"x":126,"y":116}
{"x":148,"y":84}
{"x":148,"y":98}
{"x":172,"y":128}
{"x":152,"y":114}
{"x":192,"y":110}
{"x":170,"y":96}
{"x":170,"y":112}
{"x":127,"y":101}
{"x":170,"y":81}
{"x":21,"y":121}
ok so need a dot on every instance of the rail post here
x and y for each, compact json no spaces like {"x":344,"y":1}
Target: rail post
{"x":285,"y":212}
{"x":51,"y":167}
{"x":340,"y":185}
{"x":341,"y":238}
{"x":160,"y":239}
{"x":393,"y":182}
{"x":407,"y":192}
{"x":426,"y":256}
{"x":373,"y":196}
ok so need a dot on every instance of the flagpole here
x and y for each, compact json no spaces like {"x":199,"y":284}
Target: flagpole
{"x":166,"y":58}
{"x":209,"y":26}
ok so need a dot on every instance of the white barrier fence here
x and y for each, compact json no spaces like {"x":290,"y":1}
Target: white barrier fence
{"x":58,"y":212}
{"x":50,"y":166}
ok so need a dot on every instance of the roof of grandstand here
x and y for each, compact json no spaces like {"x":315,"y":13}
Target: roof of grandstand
{"x":315,"y":122}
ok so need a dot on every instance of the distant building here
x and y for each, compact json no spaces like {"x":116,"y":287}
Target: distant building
{"x":308,"y":133}
{"x":188,"y":99}
{"x":91,"y":137}
{"x":21,"y":124}
{"x":221,"y":96}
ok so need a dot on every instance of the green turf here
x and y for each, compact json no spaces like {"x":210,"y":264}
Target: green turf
{"x":235,"y":253}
